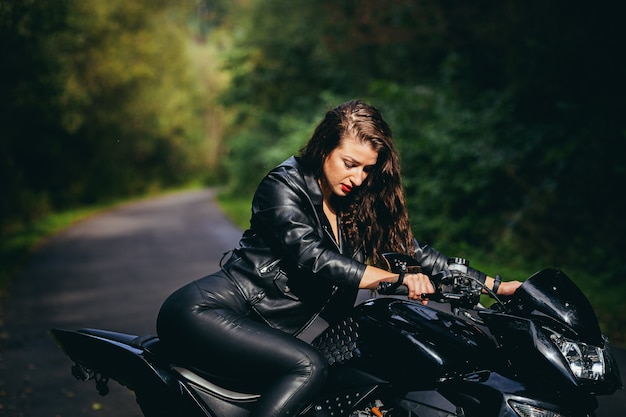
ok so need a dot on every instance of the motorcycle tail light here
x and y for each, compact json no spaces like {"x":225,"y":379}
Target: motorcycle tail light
{"x":585,"y":361}
{"x":527,"y":410}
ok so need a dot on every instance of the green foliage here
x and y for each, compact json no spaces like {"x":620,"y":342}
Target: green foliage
{"x":253,"y":152}
{"x":508,"y":116}
{"x":495,"y":139}
{"x":452,"y":163}
{"x":277,"y":60}
{"x":100,"y":101}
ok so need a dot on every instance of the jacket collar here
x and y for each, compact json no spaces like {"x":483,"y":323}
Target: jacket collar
{"x":314,"y":191}
{"x":313,"y":187}
{"x":315,"y":194}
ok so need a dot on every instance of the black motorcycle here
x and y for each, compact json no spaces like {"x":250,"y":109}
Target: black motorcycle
{"x":538,"y":353}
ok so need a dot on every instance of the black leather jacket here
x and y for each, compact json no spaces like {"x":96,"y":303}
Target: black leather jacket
{"x":288,"y":266}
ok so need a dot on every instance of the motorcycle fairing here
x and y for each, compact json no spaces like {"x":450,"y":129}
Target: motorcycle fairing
{"x":490,"y":393}
{"x":389,"y":329}
{"x":549,"y":302}
{"x":549,"y":296}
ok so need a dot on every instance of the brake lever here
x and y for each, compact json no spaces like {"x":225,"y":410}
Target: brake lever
{"x":441,"y":297}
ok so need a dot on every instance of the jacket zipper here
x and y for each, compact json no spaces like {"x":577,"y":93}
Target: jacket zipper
{"x":258,"y":297}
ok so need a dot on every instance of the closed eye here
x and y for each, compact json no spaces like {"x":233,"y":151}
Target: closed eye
{"x":350,"y":163}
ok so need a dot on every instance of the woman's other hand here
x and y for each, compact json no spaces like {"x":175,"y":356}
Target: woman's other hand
{"x":508,"y":287}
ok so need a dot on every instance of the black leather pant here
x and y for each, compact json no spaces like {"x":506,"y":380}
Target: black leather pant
{"x":205,"y":321}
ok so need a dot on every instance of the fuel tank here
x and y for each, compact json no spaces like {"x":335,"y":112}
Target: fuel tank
{"x":407,"y":343}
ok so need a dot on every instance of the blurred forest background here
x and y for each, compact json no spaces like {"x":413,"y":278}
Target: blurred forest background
{"x":509,"y":115}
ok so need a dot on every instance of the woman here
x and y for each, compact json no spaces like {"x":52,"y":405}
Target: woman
{"x":320,"y":224}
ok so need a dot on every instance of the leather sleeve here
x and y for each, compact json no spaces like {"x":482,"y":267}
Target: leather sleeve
{"x":283,"y":210}
{"x":433,"y":261}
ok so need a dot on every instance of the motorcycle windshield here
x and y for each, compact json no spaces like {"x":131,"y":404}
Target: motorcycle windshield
{"x":550,"y":294}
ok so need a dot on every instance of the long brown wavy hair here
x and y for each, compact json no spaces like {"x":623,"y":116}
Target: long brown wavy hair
{"x":374,"y":215}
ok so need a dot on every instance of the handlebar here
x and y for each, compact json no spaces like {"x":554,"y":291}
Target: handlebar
{"x":451,"y":286}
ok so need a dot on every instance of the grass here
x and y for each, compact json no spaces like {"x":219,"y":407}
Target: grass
{"x":237,"y":209}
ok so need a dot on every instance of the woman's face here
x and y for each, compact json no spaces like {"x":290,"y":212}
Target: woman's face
{"x":347,"y":166}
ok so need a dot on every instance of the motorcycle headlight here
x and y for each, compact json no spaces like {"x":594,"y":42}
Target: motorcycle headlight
{"x":585,"y":361}
{"x":527,"y":410}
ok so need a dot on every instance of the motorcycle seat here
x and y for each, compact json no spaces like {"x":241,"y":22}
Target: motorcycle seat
{"x":152,"y":345}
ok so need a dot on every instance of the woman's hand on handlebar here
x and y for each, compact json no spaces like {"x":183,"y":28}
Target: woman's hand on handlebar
{"x":418,"y":284}
{"x":508,"y":287}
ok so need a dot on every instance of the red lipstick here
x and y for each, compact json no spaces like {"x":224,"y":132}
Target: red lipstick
{"x":346,"y":189}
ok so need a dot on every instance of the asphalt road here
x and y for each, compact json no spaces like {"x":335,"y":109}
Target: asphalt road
{"x":113,"y":271}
